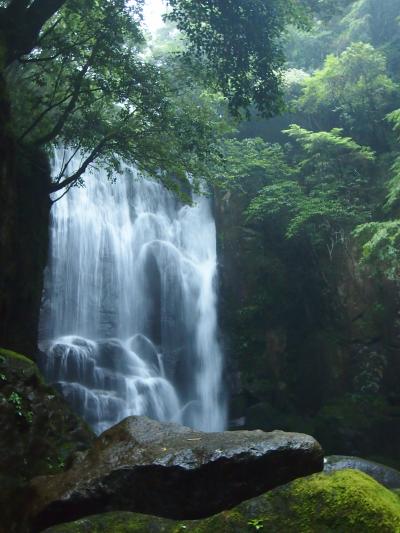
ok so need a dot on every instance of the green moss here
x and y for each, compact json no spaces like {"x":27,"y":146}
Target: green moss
{"x":344,"y":501}
{"x":14,"y":355}
{"x":120,"y":522}
{"x":347,"y":502}
{"x":13,"y":364}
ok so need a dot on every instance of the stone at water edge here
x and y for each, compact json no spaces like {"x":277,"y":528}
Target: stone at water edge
{"x":172,"y":471}
{"x":39,"y":434}
{"x":387,"y":476}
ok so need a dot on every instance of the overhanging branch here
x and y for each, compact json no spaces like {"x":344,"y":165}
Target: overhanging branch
{"x":71,"y":180}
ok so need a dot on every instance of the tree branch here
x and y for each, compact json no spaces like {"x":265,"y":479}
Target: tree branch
{"x":71,"y":104}
{"x":40,"y":59}
{"x":54,"y":187}
{"x":65,"y":164}
{"x":40,"y":117}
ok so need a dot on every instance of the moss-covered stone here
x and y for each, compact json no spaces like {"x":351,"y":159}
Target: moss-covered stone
{"x":39,"y":433}
{"x":16,"y":356}
{"x":347,"y":502}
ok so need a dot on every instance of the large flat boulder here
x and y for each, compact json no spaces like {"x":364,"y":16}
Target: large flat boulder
{"x":168,"y":470}
{"x":342,"y":502}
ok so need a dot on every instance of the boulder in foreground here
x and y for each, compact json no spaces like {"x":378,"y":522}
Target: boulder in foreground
{"x":168,"y":470}
{"x":342,"y":502}
{"x":387,"y":476}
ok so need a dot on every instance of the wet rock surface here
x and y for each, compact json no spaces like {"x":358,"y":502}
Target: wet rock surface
{"x":38,"y":428}
{"x":387,"y":476}
{"x":168,"y":470}
{"x":39,"y":433}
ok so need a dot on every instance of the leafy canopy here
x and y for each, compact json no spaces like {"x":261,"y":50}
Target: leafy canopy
{"x":249,"y":164}
{"x":393,"y":197}
{"x":380,"y":241}
{"x":241,"y":45}
{"x":85,"y":80}
{"x":352,"y":90}
{"x":317,"y":185}
{"x":89,"y":85}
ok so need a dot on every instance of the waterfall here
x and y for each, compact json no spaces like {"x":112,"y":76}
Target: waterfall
{"x":128,"y":323}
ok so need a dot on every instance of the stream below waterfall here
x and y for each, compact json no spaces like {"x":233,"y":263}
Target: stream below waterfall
{"x":129,"y":322}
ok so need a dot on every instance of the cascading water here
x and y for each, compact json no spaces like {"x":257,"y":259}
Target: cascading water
{"x":128,"y":322}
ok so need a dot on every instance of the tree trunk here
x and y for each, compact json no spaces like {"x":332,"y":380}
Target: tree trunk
{"x":24,"y":219}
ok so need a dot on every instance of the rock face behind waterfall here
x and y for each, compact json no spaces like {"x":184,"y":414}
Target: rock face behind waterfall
{"x":172,"y":471}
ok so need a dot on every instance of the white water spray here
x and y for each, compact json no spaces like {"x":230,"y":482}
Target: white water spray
{"x":129,"y":322}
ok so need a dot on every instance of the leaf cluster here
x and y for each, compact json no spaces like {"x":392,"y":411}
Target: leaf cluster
{"x":240,"y":45}
{"x":352,"y":90}
{"x":89,"y":86}
{"x":380,"y":245}
{"x":318,"y":185}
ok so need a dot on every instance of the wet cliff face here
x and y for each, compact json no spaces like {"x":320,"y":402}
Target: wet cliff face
{"x":313,"y":343}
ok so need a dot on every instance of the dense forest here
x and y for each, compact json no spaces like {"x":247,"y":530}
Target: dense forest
{"x":312,"y":196}
{"x":199,"y":266}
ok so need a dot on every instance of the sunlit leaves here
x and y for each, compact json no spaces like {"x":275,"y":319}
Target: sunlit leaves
{"x":249,"y":164}
{"x":327,"y":193}
{"x":380,"y":242}
{"x":352,"y":90}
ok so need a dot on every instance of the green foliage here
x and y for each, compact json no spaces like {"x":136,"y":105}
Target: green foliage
{"x":308,"y":49}
{"x":330,"y":180}
{"x":374,"y":22}
{"x":368,"y":21}
{"x":380,"y":241}
{"x":250,"y":163}
{"x":256,"y":523}
{"x":352,"y":90}
{"x":55,"y":465}
{"x":380,"y":244}
{"x":89,"y":86}
{"x":278,"y":199}
{"x":16,"y":400}
{"x":394,"y":183}
{"x":242,"y":47}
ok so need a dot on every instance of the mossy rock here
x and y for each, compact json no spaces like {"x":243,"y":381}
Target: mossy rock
{"x":38,"y":429}
{"x":16,"y":357}
{"x":39,"y":433}
{"x":347,"y":502}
